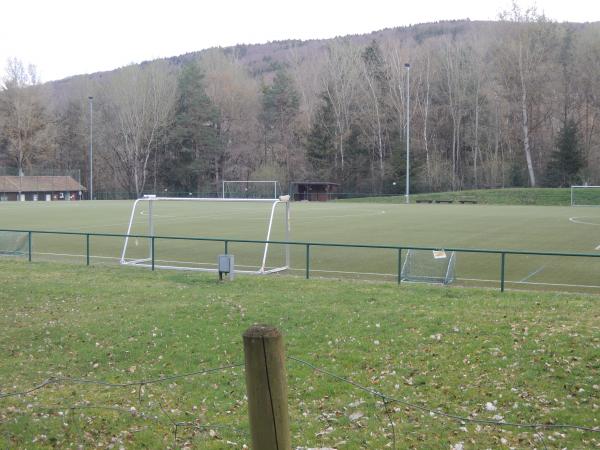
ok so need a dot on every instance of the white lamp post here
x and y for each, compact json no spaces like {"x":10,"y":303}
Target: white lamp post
{"x":91,"y":183}
{"x":407,"y":195}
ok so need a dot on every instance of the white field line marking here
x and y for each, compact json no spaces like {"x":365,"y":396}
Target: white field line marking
{"x":214,"y":264}
{"x":84,"y":228}
{"x":303,"y":219}
{"x":307,"y":217}
{"x":348,"y":273}
{"x":177,"y":219}
{"x":117,"y":258}
{"x":531,"y":274}
{"x":582,"y":222}
{"x":483,"y":280}
{"x":223,"y":216}
{"x":533,"y":283}
{"x":74,"y":255}
{"x":145,"y":213}
{"x":315,"y":219}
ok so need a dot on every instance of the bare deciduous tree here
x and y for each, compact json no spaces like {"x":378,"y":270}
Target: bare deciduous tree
{"x":138,"y":103}
{"x":523,"y":59}
{"x":236,"y":95}
{"x":340,"y":83}
{"x":23,"y":118}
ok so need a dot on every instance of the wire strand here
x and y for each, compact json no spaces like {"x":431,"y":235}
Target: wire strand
{"x":440,"y":413}
{"x":61,"y":380}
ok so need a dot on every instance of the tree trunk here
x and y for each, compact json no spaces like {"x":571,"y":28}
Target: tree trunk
{"x":476,"y":149}
{"x":425,"y":120}
{"x":525,"y":123}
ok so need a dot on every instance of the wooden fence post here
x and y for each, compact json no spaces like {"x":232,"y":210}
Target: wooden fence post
{"x":266,"y":387}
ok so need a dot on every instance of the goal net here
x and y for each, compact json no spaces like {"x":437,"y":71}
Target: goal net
{"x":428,"y":266}
{"x":251,"y":189}
{"x":585,"y":195}
{"x":14,"y":243}
{"x":216,"y":224}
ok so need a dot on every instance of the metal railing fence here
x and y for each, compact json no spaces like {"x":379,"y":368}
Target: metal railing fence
{"x":400,"y":249}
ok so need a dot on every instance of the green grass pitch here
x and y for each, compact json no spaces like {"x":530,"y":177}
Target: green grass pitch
{"x":536,"y":228}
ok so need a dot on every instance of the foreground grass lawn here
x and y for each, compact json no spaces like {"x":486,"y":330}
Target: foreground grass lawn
{"x":514,"y":357}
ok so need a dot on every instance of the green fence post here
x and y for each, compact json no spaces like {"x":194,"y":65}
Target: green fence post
{"x":502,"y":266}
{"x":87,"y":249}
{"x":152,"y":250}
{"x":29,"y":245}
{"x":307,"y":261}
{"x":399,"y":265}
{"x":226,"y":247}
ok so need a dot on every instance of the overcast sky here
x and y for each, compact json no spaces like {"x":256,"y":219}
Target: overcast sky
{"x":69,"y":37}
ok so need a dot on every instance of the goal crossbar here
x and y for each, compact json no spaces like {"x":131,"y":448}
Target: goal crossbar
{"x":263,"y":270}
{"x":269,"y":187}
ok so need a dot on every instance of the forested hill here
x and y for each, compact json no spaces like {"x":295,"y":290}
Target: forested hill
{"x":269,"y":57}
{"x":492,"y":104}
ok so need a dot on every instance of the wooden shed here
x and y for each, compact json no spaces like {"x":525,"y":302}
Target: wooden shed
{"x":319,"y":191}
{"x":43,"y":188}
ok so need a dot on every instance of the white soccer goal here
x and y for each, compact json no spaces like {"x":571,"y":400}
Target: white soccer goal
{"x":585,"y":195}
{"x":250,"y":189}
{"x":133,"y":256}
{"x":427,"y":266}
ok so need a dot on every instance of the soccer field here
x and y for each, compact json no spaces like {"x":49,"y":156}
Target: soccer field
{"x":533,"y":228}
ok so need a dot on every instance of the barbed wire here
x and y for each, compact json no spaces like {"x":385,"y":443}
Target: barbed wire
{"x":140,"y":383}
{"x":123,"y":410}
{"x":433,"y":412}
{"x":145,"y":415}
{"x":386,"y":400}
{"x":541,"y":438}
{"x":119,"y":409}
{"x":391,"y":420}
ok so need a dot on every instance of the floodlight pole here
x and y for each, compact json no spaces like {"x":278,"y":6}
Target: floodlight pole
{"x":91,"y":182}
{"x":407,"y":195}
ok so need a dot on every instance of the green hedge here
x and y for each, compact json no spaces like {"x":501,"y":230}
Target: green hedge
{"x":512,"y":196}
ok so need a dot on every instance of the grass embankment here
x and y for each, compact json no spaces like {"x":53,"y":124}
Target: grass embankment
{"x":530,"y":357}
{"x":512,"y":196}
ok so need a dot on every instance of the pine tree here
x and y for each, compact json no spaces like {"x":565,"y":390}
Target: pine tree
{"x":567,"y":160}
{"x":194,"y":138}
{"x":320,"y":143}
{"x":280,"y":107}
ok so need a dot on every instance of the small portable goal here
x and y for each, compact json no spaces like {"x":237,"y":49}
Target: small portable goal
{"x":14,"y":243}
{"x":427,"y":266}
{"x":152,"y":202}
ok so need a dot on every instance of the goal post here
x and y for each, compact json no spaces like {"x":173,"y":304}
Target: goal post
{"x":427,"y":266}
{"x":261,"y":189}
{"x":585,"y":195}
{"x":152,"y":203}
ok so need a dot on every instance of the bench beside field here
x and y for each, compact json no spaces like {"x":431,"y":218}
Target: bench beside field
{"x":460,"y":200}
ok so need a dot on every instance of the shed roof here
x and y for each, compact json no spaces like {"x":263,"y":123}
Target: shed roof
{"x":328,"y":183}
{"x":39,"y":184}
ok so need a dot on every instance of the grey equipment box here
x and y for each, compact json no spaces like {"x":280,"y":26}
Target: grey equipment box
{"x":226,"y":265}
